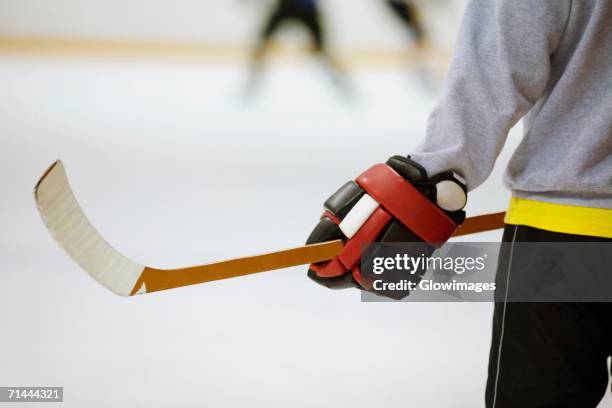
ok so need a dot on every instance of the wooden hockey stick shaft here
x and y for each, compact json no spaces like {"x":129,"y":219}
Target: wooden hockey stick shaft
{"x":481,"y":223}
{"x":158,"y":279}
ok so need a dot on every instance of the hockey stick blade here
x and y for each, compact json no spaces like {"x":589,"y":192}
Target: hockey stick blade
{"x":70,"y":227}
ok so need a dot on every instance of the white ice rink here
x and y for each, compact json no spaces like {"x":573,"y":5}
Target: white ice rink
{"x":174,"y":169}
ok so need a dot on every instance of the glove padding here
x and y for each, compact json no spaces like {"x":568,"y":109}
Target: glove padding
{"x":392,"y":202}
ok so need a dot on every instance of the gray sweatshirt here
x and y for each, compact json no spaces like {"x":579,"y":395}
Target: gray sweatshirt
{"x":547,"y":60}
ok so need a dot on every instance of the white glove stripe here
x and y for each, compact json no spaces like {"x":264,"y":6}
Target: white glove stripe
{"x":358,"y":215}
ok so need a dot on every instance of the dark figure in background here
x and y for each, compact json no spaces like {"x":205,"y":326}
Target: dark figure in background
{"x":407,"y":12}
{"x":425,"y":66}
{"x":307,"y":14}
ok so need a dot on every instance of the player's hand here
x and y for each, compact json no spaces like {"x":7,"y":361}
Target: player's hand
{"x":392,"y":202}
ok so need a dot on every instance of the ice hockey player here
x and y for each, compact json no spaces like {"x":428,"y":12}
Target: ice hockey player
{"x":307,"y":14}
{"x":549,"y":62}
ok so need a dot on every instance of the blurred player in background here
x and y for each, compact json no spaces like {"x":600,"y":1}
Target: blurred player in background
{"x":302,"y":12}
{"x":409,"y":14}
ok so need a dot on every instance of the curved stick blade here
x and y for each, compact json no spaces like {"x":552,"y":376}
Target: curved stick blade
{"x":70,"y":227}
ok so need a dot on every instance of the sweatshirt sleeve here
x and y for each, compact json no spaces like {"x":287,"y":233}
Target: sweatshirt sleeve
{"x":500,"y":68}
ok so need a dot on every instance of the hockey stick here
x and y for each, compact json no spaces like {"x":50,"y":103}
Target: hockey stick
{"x":72,"y":230}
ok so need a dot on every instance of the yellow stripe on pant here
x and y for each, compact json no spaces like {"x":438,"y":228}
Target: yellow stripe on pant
{"x":568,"y":219}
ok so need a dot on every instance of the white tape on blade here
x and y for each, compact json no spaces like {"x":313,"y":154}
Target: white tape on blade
{"x":358,"y":216}
{"x":73,"y":231}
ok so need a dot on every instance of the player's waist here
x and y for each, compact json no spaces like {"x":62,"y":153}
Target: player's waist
{"x":569,"y":219}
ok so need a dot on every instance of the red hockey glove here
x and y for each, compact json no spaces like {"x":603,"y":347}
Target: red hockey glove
{"x":392,"y":202}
